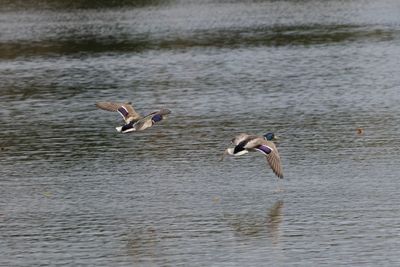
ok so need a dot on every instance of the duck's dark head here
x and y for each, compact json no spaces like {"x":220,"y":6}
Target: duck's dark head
{"x":270,"y":136}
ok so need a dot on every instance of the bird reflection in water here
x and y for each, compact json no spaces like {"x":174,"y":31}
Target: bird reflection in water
{"x":274,"y":220}
{"x":253,"y":226}
{"x":143,"y":244}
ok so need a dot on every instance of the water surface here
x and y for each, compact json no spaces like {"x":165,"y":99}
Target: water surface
{"x":75,"y":192}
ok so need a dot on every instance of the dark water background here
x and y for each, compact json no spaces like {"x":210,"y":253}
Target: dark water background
{"x":74,"y":192}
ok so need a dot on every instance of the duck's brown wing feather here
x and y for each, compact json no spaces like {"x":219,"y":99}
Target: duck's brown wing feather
{"x":239,"y":138}
{"x":125,"y":109}
{"x":270,"y":151}
{"x":274,"y":159}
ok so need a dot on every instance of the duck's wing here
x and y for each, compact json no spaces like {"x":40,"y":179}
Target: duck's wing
{"x":239,"y":138}
{"x":238,"y":141}
{"x":157,"y":115}
{"x":270,"y":151}
{"x":125,"y":109}
{"x":152,"y":118}
{"x":241,"y":143}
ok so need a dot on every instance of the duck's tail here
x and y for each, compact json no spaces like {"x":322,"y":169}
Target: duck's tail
{"x":228,"y":151}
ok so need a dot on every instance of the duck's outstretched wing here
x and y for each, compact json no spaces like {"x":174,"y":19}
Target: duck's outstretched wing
{"x":270,"y":151}
{"x":125,"y":109}
{"x":274,"y":162}
{"x":239,"y":138}
{"x":151,"y":119}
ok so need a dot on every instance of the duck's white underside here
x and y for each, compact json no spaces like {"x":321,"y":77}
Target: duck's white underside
{"x":119,"y":129}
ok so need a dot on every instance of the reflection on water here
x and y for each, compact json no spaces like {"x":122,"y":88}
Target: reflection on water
{"x":76,"y":4}
{"x":274,"y":221}
{"x":149,"y":244}
{"x":142,"y":243}
{"x":231,"y":38}
{"x":75,"y":192}
{"x":248,"y":225}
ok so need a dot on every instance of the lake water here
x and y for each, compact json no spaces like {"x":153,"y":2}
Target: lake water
{"x":74,"y":192}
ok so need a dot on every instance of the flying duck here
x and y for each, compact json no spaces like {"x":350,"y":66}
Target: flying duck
{"x":133,"y":121}
{"x":244,"y":143}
